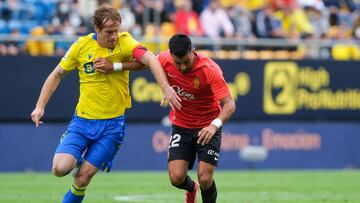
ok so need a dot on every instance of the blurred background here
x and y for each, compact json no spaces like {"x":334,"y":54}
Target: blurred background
{"x":292,"y":67}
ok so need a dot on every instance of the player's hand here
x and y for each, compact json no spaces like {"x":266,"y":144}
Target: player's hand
{"x":206,"y":134}
{"x":171,"y":98}
{"x":36,"y":115}
{"x":103,"y":65}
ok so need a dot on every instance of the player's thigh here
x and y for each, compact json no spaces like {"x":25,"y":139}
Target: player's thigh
{"x":102,"y":152}
{"x":71,"y":146}
{"x":182,"y":146}
{"x":210,"y":153}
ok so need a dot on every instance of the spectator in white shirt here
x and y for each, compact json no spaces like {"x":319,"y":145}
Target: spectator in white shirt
{"x":215,"y":21}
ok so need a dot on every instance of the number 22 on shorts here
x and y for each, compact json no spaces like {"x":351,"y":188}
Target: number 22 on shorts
{"x":175,"y":139}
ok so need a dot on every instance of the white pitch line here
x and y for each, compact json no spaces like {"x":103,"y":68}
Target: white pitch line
{"x":158,"y":198}
{"x":130,"y":198}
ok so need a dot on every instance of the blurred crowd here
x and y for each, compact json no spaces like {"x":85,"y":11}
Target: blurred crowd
{"x":145,"y":19}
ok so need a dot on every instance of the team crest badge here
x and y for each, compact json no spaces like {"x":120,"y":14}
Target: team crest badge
{"x":89,"y":56}
{"x":196,"y":82}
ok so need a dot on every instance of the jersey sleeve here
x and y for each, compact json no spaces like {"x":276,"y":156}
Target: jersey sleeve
{"x":127,"y":44}
{"x":217,"y":82}
{"x":161,"y":58}
{"x":69,"y":61}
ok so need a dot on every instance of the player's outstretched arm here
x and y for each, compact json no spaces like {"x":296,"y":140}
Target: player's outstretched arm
{"x":170,"y":97}
{"x":50,"y":85}
{"x":104,"y":65}
{"x":133,"y":66}
{"x":226,"y":112}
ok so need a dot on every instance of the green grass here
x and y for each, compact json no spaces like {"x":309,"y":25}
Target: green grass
{"x":233,"y":187}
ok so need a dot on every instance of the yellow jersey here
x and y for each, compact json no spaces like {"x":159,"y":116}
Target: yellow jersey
{"x":102,"y":96}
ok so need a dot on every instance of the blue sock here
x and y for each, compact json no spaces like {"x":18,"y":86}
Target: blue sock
{"x":74,"y":195}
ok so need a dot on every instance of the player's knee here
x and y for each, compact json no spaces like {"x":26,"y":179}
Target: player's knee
{"x":83,"y":179}
{"x":205,"y":180}
{"x":59,"y":171}
{"x":176,"y":178}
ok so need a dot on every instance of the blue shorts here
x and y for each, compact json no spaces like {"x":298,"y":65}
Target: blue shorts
{"x":95,"y":140}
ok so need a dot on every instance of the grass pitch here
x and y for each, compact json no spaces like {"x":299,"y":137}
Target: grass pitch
{"x":154,"y":187}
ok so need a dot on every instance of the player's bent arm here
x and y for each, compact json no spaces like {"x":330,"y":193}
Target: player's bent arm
{"x":228,"y":108}
{"x":226,"y":112}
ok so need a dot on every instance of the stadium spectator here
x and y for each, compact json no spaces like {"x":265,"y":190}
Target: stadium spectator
{"x":282,"y":4}
{"x":11,"y":47}
{"x":39,"y":47}
{"x":356,"y":28}
{"x":197,"y":125}
{"x":318,"y":18}
{"x":346,"y":20}
{"x":220,"y":27}
{"x":97,"y":128}
{"x":294,"y":22}
{"x":267,"y":25}
{"x":200,"y":5}
{"x":128,"y":17}
{"x":60,"y":47}
{"x":186,"y":20}
{"x":63,"y":11}
{"x":138,"y":9}
{"x":338,"y":4}
{"x":253,"y":5}
{"x":215,"y":21}
{"x":242,"y":21}
{"x":154,"y":11}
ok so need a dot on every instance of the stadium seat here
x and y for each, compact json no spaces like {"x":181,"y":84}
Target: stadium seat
{"x":205,"y":52}
{"x":282,"y":55}
{"x":221,"y":54}
{"x":266,"y":54}
{"x":345,"y":52}
{"x":234,"y":55}
{"x":250,"y":54}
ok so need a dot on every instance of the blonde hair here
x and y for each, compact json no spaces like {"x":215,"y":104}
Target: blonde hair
{"x":104,"y":13}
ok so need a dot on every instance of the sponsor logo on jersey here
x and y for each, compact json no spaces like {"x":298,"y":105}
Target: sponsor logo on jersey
{"x":182,"y":93}
{"x":89,"y":68}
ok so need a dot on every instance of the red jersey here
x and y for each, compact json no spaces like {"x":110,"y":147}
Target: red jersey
{"x":200,"y":90}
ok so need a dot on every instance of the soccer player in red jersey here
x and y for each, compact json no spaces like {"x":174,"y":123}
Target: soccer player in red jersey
{"x":196,"y":131}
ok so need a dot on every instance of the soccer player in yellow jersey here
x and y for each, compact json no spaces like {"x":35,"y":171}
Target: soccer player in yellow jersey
{"x":97,"y":128}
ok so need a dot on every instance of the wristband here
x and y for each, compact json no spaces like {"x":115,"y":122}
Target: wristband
{"x":118,"y":66}
{"x":217,"y":122}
